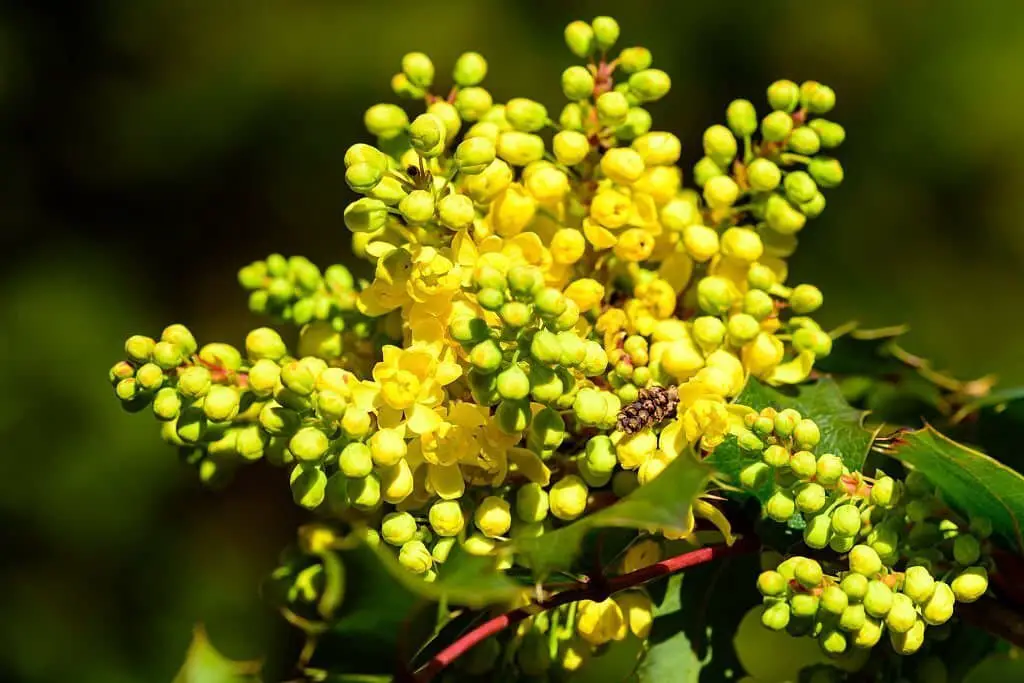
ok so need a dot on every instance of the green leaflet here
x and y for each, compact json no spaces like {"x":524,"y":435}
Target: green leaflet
{"x":664,"y":502}
{"x":968,"y":479}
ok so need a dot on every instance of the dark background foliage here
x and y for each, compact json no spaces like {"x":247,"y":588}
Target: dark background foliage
{"x":150,"y":148}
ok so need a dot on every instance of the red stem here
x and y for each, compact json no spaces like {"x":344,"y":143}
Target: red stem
{"x":584,"y":591}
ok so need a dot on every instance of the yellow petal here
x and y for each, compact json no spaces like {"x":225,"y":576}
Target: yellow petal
{"x":379,"y":249}
{"x":389,"y":418}
{"x":446,"y":480}
{"x":365,"y":395}
{"x":422,"y":420}
{"x":464,"y":251}
{"x":448,"y":372}
{"x":530,"y":465}
{"x":794,"y":371}
{"x":672,"y":440}
{"x":676,"y":270}
{"x":706,"y":510}
{"x":599,"y":236}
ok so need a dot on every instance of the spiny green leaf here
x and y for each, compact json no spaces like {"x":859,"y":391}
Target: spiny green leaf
{"x":968,"y":479}
{"x":664,"y":502}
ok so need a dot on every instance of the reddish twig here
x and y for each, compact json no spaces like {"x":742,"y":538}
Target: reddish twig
{"x":584,"y":591}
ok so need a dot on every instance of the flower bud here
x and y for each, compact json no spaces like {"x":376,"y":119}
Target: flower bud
{"x":221,"y":403}
{"x":364,"y":492}
{"x":520,"y":149}
{"x":721,"y":192}
{"x":808,"y":573}
{"x":650,"y":84}
{"x":579,"y":36}
{"x":846,"y":520}
{"x":741,"y":117}
{"x":720,"y":145}
{"x":834,"y":600}
{"x":470,"y":69}
{"x":403,"y":87}
{"x":417,"y":207}
{"x":910,"y":641}
{"x":512,"y":417}
{"x":817,"y":98}
{"x":852,"y":618}
{"x":366,"y":215}
{"x":638,"y":122}
{"x":568,"y":497}
{"x":492,"y":517}
{"x":805,"y":299}
{"x":772,"y":584}
{"x":474,"y":155}
{"x":571,"y":117}
{"x":600,"y":622}
{"x":775,"y":127}
{"x":780,"y":506}
{"x":658,"y":148}
{"x":811,"y":498}
{"x":570,"y":147}
{"x":804,"y":605}
{"x":363,"y":177}
{"x":612,"y":108}
{"x":446,"y":518}
{"x":981,"y":526}
{"x":829,"y":133}
{"x":415,"y":557}
{"x":633,"y":59}
{"x":783,"y":95}
{"x":704,"y":170}
{"x":878,"y":599}
{"x":763,"y":175}
{"x":531,"y":503}
{"x":547,"y":184}
{"x":606,"y":32}
{"x":971,"y":584}
{"x":472,"y":103}
{"x":139,"y":348}
{"x":427,"y":135}
{"x":804,"y":140}
{"x":799,"y":186}
{"x":526,"y":115}
{"x":418,"y":67}
{"x":813,"y":208}
{"x":776,"y":616}
{"x":456,"y":211}
{"x":397,"y":528}
{"x":743,"y":244}
{"x":577,"y":83}
{"x":309,"y":444}
{"x":385,"y":120}
{"x":716,"y":294}
{"x":918,"y":584}
{"x":826,"y":171}
{"x":782,"y":217}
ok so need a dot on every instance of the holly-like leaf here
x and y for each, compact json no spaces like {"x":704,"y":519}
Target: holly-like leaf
{"x":969,"y":480}
{"x":841,"y":425}
{"x":664,"y":502}
{"x":387,"y":613}
{"x":691,"y":638}
{"x":204,"y":664}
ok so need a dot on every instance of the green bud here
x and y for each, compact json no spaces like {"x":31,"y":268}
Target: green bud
{"x":579,"y":36}
{"x":417,"y":207}
{"x":808,"y":573}
{"x":772,"y":584}
{"x":546,"y":385}
{"x":486,"y":356}
{"x":519,"y":148}
{"x":427,"y":135}
{"x":811,"y":498}
{"x":513,"y":416}
{"x":776,"y":456}
{"x":981,"y":526}
{"x":716,"y":294}
{"x":149,"y":377}
{"x":971,"y":584}
{"x":852,"y":618}
{"x":139,"y":348}
{"x":755,"y":475}
{"x":878,"y":599}
{"x":191,"y":425}
{"x":918,"y":584}
{"x":805,"y":299}
{"x":127,"y":389}
{"x":385,"y":120}
{"x":741,"y":117}
{"x":803,"y":464}
{"x":309,"y":444}
{"x":526,"y":115}
{"x":166,"y":404}
{"x":590,"y":406}
{"x":704,"y":170}
{"x":846,"y":520}
{"x":776,"y":616}
{"x":782,"y":217}
{"x":909,"y":641}
{"x":468,"y":330}
{"x":531,"y":502}
{"x":783,"y":96}
{"x":633,"y":59}
{"x":515,"y":314}
{"x":472,"y":103}
{"x":650,"y":84}
{"x":830,"y":469}
{"x":813,"y":208}
{"x":513,"y":383}
{"x":829,"y":133}
{"x":638,"y":123}
{"x":221,"y":403}
{"x":577,"y":83}
{"x":775,"y":127}
{"x":363,"y":492}
{"x":786,"y":422}
{"x":720,"y":145}
{"x":415,"y":557}
{"x":804,"y":140}
{"x":298,"y":378}
{"x":763,"y":175}
{"x":545,"y":347}
{"x":826,"y":171}
{"x":612,"y":109}
{"x":804,"y":605}
{"x":833,"y":642}
{"x":418,"y":67}
{"x":606,"y":32}
{"x":456,"y":211}
{"x":855,"y":585}
{"x":817,"y":98}
{"x":309,"y":486}
{"x":366,"y":215}
{"x":474,"y":155}
{"x":780,"y":506}
{"x":864,"y":560}
{"x":167,"y":355}
{"x":624,"y":482}
{"x":966,"y":549}
{"x":939,"y":607}
{"x":403,"y":87}
{"x":818,"y":532}
{"x":356,"y":460}
{"x":470,"y":69}
{"x":571,"y":118}
{"x":363,"y":177}
{"x":800,"y":187}
{"x":721,"y":192}
{"x":397,"y":528}
{"x":834,"y":600}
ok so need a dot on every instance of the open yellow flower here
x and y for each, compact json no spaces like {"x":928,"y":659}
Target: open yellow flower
{"x":412,"y":381}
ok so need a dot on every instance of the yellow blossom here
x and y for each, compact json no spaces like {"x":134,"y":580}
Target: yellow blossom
{"x":412,"y":380}
{"x":512,"y":210}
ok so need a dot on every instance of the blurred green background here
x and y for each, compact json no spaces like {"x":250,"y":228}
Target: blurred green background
{"x":150,"y":148}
